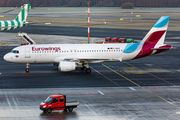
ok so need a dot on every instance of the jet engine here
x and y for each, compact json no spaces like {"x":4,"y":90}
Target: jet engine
{"x":65,"y":66}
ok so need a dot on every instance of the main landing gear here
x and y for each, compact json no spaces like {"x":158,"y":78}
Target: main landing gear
{"x":27,"y":68}
{"x":86,"y":68}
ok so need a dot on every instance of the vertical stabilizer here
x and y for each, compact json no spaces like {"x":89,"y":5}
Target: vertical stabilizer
{"x":158,"y":32}
{"x":154,"y":39}
{"x":22,"y":16}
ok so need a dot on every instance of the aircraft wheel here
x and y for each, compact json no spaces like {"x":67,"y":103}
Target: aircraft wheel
{"x":87,"y":70}
{"x":27,"y":70}
{"x":82,"y":68}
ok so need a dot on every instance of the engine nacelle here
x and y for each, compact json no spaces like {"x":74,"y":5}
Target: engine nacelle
{"x":65,"y":66}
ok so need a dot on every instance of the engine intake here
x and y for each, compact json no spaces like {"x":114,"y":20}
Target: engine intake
{"x":65,"y":66}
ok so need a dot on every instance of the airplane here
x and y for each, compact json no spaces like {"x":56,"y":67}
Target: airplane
{"x":19,"y":21}
{"x":70,"y":56}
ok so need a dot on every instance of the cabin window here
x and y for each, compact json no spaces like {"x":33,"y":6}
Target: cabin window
{"x":61,"y":99}
{"x":55,"y":100}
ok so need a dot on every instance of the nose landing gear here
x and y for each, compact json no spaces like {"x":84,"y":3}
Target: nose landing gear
{"x":27,"y":68}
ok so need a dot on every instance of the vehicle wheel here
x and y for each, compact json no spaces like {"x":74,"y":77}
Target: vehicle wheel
{"x":44,"y":111}
{"x":65,"y":110}
{"x":70,"y":109}
{"x":87,"y":70}
{"x":27,"y":70}
{"x":49,"y":110}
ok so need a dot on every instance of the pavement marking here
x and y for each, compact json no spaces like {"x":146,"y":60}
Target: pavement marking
{"x":91,"y":110}
{"x":101,"y":92}
{"x":134,"y":70}
{"x":140,"y":86}
{"x":105,"y":76}
{"x":156,"y":70}
{"x":153,"y":75}
{"x":132,"y":88}
{"x":177,"y":112}
{"x":15,"y":103}
{"x":9,"y":103}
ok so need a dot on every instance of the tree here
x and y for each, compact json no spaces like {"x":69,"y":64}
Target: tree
{"x":127,"y":5}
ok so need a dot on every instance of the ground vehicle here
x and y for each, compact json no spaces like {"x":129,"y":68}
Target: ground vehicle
{"x":57,"y":102}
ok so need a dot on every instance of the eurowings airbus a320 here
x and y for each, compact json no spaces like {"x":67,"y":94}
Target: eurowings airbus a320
{"x":69,"y":56}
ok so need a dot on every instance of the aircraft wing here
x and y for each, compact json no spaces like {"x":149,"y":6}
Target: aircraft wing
{"x":84,"y":59}
{"x":93,"y":60}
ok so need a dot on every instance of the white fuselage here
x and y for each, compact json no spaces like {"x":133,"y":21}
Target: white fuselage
{"x":51,"y":53}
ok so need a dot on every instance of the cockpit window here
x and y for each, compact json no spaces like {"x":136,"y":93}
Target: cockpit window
{"x":15,"y":51}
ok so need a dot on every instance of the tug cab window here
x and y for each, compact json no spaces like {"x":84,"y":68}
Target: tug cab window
{"x":55,"y":100}
{"x":15,"y":51}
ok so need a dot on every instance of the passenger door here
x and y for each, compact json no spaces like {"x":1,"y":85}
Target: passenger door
{"x":27,"y":54}
{"x":61,"y":103}
{"x":54,"y":104}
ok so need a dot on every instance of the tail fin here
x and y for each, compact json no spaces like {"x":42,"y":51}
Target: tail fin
{"x":157,"y":33}
{"x":153,"y":42}
{"x":22,"y":16}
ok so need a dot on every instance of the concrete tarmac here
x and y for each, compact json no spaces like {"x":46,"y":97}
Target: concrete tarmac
{"x":82,"y":32}
{"x":146,"y":88}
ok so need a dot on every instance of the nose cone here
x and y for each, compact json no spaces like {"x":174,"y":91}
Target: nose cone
{"x":7,"y":57}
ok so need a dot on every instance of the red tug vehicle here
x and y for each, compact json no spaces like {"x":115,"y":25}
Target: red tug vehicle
{"x":57,"y":102}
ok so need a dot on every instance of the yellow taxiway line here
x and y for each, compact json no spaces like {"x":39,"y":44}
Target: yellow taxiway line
{"x":140,"y":86}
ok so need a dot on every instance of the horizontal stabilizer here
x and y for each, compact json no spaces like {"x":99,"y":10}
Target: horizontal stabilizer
{"x":160,"y":48}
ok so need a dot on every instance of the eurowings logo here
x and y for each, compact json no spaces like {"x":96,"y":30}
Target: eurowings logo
{"x":16,"y":56}
{"x":45,"y":48}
